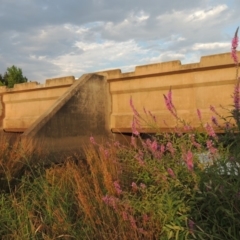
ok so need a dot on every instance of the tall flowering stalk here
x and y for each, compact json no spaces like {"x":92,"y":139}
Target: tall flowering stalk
{"x":236,"y":96}
{"x":169,"y":103}
{"x":188,"y":157}
{"x":234,"y":47}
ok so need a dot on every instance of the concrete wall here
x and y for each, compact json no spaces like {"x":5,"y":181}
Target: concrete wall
{"x":66,"y":111}
{"x":22,"y":105}
{"x":194,"y":86}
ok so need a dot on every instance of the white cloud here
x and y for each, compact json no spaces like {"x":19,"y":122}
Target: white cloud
{"x":209,"y":46}
{"x":205,"y":14}
{"x":187,"y":15}
{"x":98,"y":56}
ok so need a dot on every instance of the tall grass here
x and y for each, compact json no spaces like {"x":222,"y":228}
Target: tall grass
{"x":163,"y":186}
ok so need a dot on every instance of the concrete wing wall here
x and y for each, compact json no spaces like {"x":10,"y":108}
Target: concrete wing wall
{"x":81,"y":112}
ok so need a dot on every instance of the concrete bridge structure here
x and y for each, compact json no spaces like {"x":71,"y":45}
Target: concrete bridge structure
{"x":65,"y":111}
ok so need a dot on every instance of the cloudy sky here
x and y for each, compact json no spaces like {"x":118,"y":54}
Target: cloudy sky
{"x":52,"y":38}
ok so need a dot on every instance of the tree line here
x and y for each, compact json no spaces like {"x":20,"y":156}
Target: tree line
{"x":12,"y":76}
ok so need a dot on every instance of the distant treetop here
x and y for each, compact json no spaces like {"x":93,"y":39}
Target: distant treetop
{"x":12,"y":76}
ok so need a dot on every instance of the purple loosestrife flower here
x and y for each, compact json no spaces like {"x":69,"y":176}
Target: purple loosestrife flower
{"x":154,"y":146}
{"x":134,"y":187}
{"x":116,"y":144}
{"x":214,"y":121}
{"x":171,"y":173}
{"x":234,"y":47}
{"x":125,"y":215}
{"x":110,"y":201}
{"x":162,"y":148}
{"x":191,"y":225}
{"x":117,"y":187}
{"x":149,"y":143}
{"x":145,"y":218}
{"x":210,"y":131}
{"x":236,"y":98}
{"x":134,"y":129}
{"x":189,"y":160}
{"x":142,"y":186}
{"x":187,"y":127}
{"x":152,"y":116}
{"x":212,"y":108}
{"x":199,"y":114}
{"x":192,"y":138}
{"x":170,"y":148}
{"x":133,"y":222}
{"x":133,"y":142}
{"x":169,"y":104}
{"x":135,"y":112}
{"x":210,"y":147}
{"x":92,"y":140}
{"x":139,"y":157}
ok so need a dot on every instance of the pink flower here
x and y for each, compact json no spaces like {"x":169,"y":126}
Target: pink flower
{"x":135,"y":112}
{"x":110,"y":201}
{"x":92,"y":140}
{"x":212,"y":108}
{"x":170,"y":148}
{"x":139,"y":157}
{"x":116,"y":144}
{"x":189,"y":160}
{"x":145,"y":218}
{"x":106,"y":153}
{"x":199,"y":114}
{"x":210,"y":147}
{"x":134,"y":129}
{"x":117,"y":187}
{"x":154,"y":146}
{"x":169,"y":104}
{"x":162,"y":148}
{"x":134,"y":186}
{"x":192,"y":138}
{"x":236,"y":97}
{"x":191,"y":225}
{"x":152,"y":116}
{"x":133,"y":222}
{"x":234,"y":47}
{"x":142,"y":186}
{"x":210,"y":131}
{"x":125,"y":215}
{"x":187,"y":127}
{"x":171,"y":173}
{"x":214,"y":121}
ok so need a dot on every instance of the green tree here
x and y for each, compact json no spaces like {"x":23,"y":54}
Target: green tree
{"x":13,"y":75}
{"x":1,"y":80}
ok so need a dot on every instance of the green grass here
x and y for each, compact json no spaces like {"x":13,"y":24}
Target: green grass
{"x":114,"y":195}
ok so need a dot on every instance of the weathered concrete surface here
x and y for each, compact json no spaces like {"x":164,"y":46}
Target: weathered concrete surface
{"x":81,"y":112}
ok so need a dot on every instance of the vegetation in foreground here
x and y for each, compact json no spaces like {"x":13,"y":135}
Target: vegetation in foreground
{"x":166,"y":186}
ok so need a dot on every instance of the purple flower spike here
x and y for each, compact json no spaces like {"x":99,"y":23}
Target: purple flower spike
{"x":234,"y":47}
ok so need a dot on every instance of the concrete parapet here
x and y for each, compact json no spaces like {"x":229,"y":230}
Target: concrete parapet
{"x":175,"y":67}
{"x":24,"y":86}
{"x":61,"y":81}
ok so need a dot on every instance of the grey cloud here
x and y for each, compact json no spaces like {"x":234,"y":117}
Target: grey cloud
{"x":36,"y":35}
